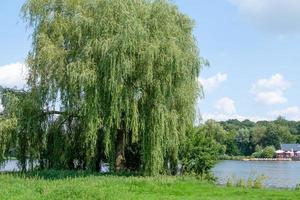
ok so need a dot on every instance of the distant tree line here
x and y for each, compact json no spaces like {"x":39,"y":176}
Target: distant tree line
{"x":246,"y":138}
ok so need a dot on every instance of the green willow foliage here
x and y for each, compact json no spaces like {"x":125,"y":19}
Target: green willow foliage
{"x":6,"y":129}
{"x":121,"y":71}
{"x":8,"y":122}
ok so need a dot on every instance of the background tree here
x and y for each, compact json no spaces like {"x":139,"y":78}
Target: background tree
{"x":243,"y":141}
{"x":232,"y":148}
{"x":271,"y":138}
{"x":285,"y":135}
{"x":257,"y":135}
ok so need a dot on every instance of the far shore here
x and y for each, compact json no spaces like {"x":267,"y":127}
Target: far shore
{"x":249,"y":158}
{"x":267,"y":159}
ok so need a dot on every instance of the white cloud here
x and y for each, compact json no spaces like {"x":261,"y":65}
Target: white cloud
{"x":291,"y":113}
{"x":211,"y":83}
{"x":223,"y":117}
{"x":278,"y":16}
{"x":271,"y":91}
{"x":270,"y":98}
{"x":226,"y":105}
{"x":275,"y":82}
{"x":226,"y":110}
{"x":13,"y":75}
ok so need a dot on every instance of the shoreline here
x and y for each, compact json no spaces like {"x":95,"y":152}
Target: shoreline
{"x":248,"y":158}
{"x":267,"y":159}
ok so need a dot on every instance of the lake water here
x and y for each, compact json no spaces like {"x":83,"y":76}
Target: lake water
{"x":278,"y":174}
{"x":8,"y":166}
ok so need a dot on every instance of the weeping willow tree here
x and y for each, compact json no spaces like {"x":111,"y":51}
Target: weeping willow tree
{"x":106,"y":74}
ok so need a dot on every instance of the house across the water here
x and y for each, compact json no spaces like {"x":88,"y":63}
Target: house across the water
{"x":288,"y":151}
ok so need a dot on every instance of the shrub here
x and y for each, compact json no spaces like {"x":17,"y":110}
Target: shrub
{"x":200,"y":152}
{"x":257,"y":154}
{"x":268,"y":152}
{"x":229,"y":183}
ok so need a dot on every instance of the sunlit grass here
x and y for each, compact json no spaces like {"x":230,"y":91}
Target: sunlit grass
{"x":82,"y":185}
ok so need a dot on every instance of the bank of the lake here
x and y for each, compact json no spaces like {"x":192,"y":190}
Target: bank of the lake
{"x":276,"y":174}
{"x":70,"y":185}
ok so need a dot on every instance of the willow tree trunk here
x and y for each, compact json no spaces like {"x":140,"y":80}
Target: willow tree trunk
{"x":120,"y":150}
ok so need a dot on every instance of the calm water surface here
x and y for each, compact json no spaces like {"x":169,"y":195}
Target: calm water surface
{"x":279,"y":174}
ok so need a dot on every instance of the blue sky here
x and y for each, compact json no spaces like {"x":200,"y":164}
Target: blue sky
{"x":252,"y":46}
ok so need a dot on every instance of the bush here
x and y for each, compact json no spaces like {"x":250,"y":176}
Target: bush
{"x":267,"y":152}
{"x":257,"y":154}
{"x":200,"y":152}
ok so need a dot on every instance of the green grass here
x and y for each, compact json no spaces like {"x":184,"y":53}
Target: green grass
{"x":71,"y":185}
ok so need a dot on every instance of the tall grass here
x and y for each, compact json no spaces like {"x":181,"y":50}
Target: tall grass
{"x":253,"y":181}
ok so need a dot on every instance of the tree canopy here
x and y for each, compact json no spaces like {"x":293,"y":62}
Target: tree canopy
{"x":105,"y":75}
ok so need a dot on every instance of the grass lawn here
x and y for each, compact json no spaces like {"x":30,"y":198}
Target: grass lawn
{"x":70,"y":185}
